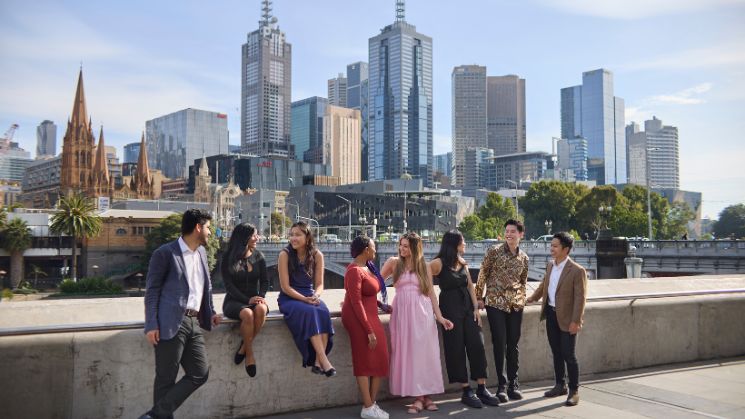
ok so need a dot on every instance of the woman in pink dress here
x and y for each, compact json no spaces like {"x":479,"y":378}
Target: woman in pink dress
{"x":415,"y":346}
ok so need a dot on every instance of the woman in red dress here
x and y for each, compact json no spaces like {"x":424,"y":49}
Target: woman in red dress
{"x":359,"y":314}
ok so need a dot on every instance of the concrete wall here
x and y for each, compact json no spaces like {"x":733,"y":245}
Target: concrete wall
{"x":110,"y":374}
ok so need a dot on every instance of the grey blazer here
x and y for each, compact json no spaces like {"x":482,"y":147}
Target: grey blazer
{"x":167,"y":291}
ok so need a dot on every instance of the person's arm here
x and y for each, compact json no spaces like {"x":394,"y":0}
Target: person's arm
{"x":263,"y":278}
{"x":580,"y":295}
{"x":447,"y":324}
{"x":538,"y":293}
{"x":156,"y":275}
{"x":435,"y":266}
{"x":388,"y":266}
{"x":353,"y":287}
{"x":228,"y":278}
{"x":284,"y":279}
{"x":472,"y":293}
{"x":487,"y":266}
{"x":524,"y":273}
{"x":319,"y":270}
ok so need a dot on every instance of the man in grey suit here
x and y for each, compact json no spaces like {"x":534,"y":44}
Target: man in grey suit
{"x":178,"y":304}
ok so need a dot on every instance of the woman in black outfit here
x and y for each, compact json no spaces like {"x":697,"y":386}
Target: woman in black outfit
{"x":246,"y":282}
{"x":458,"y":303}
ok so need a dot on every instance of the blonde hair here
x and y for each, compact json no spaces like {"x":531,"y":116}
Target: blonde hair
{"x":417,"y":257}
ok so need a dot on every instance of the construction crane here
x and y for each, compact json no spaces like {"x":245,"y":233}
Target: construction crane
{"x":8,"y":136}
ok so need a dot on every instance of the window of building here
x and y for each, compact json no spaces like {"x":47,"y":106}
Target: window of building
{"x":121,"y":232}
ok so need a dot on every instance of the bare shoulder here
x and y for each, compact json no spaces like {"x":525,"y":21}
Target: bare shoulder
{"x":317,"y":254}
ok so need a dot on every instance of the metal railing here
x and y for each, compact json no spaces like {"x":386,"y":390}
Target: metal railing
{"x":99,"y":327}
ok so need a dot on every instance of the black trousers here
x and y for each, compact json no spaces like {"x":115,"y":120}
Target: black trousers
{"x":187,"y":350}
{"x":562,"y":345}
{"x":505,"y":335}
{"x":464,"y":339}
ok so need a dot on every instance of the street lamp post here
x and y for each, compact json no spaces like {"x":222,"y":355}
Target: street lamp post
{"x":349,"y":232}
{"x":548,"y":224}
{"x":517,"y":204}
{"x":649,"y":193}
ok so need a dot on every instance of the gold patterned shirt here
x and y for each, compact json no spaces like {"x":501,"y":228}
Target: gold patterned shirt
{"x":503,"y":276}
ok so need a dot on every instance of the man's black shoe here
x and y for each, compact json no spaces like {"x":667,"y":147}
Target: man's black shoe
{"x":558,"y":390}
{"x":513,"y":391}
{"x":487,"y":397}
{"x":573,"y":398}
{"x":501,"y":394}
{"x":469,"y":399}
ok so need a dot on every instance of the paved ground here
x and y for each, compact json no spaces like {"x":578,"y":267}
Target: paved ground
{"x":714,"y":389}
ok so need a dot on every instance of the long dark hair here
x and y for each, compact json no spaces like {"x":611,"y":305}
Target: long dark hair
{"x":358,"y":245}
{"x":310,"y":250}
{"x":231,"y":260}
{"x":448,"y":253}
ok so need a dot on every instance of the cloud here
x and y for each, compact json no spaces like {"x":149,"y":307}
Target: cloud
{"x":636,"y":9}
{"x":724,"y":55}
{"x":640,"y":111}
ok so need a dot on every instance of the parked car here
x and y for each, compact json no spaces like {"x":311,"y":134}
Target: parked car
{"x":545,"y":238}
{"x":330,"y":238}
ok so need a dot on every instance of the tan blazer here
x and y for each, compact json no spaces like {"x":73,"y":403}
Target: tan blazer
{"x":571,"y":294}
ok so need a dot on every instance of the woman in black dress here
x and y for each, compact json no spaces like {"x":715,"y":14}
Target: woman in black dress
{"x":458,"y":303}
{"x":246,"y":282}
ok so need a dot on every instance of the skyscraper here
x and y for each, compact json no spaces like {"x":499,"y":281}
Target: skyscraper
{"x":307,"y":128}
{"x":479,"y":168}
{"x":400,"y":120}
{"x":357,"y":89}
{"x":572,"y":155}
{"x":337,"y":91}
{"x":131,"y":152}
{"x":592,"y":112}
{"x":506,"y":114}
{"x":469,"y":115}
{"x":662,"y":163}
{"x":46,"y":139}
{"x":177,"y":139}
{"x":265,"y":90}
{"x":443,"y":167}
{"x":341,"y":143}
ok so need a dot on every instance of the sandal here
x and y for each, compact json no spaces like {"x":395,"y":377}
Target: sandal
{"x":430,"y":405}
{"x":416,"y":407}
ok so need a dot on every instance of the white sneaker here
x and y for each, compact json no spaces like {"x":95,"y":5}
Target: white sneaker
{"x":382,"y":413}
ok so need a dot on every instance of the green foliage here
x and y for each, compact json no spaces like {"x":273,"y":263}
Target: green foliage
{"x":25,"y":288}
{"x":16,"y":236}
{"x":587,"y":218}
{"x":76,"y":217}
{"x":498,"y":208}
{"x":470,"y":227}
{"x":7,"y":294}
{"x":90,"y":286}
{"x":676,"y":223}
{"x":278,"y":219}
{"x":551,"y":200}
{"x":731,"y":222}
{"x":169,"y":230}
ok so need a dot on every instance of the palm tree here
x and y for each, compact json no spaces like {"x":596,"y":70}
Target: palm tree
{"x":75,"y":217}
{"x":16,"y":238}
{"x":36,"y":272}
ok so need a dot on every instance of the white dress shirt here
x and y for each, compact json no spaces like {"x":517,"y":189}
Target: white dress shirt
{"x":194,"y":275}
{"x":553,"y":281}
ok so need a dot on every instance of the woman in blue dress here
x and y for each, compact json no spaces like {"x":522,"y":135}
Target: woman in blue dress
{"x":300,"y":267}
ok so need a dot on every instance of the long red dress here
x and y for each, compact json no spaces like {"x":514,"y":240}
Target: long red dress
{"x":359,"y":315}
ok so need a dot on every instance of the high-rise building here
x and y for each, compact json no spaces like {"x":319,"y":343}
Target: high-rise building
{"x":400,"y":112}
{"x":307,"y":128}
{"x":131,"y":152}
{"x":443,"y":167}
{"x":592,"y":112}
{"x":469,"y":115}
{"x":357,"y":90}
{"x":177,"y":139}
{"x":46,"y":139}
{"x":266,"y":90}
{"x":13,"y":161}
{"x":506,"y":127}
{"x":660,"y":142}
{"x":520,"y":167}
{"x":479,"y":168}
{"x":342,"y":147}
{"x":572,"y":155}
{"x":337,"y":89}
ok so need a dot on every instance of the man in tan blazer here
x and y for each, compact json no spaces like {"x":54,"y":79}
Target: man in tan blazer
{"x":563,"y":292}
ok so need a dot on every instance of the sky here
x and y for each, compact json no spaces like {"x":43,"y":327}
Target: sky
{"x":682,"y":61}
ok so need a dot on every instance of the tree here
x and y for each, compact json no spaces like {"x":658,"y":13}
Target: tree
{"x":676,"y":224}
{"x":470,"y":227}
{"x":169,"y":230}
{"x":588,"y":219}
{"x":280,"y":223}
{"x":498,"y":208}
{"x":551,"y":200}
{"x":636,"y":196}
{"x":16,"y":238}
{"x":76,"y":217}
{"x":731,"y":222}
{"x":36,"y":272}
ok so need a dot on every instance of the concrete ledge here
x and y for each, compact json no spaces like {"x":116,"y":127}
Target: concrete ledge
{"x":110,"y":374}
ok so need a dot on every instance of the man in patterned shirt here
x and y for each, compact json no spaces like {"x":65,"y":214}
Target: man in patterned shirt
{"x":503,"y":275}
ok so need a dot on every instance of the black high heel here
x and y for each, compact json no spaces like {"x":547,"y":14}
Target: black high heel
{"x":330,"y":372}
{"x":239,"y":357}
{"x":251,"y":370}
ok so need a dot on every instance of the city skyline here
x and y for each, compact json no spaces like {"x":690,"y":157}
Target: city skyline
{"x":692,"y":79}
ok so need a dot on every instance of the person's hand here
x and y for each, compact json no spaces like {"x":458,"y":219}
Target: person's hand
{"x":256,"y":300}
{"x":480,"y":304}
{"x":574,"y":328}
{"x":313,"y":300}
{"x":477,"y":317}
{"x":216,"y":319}
{"x":372,"y":341}
{"x":447,"y":324}
{"x":153,"y":336}
{"x":530,"y":300}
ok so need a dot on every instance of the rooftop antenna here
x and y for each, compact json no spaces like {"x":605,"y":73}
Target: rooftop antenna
{"x":400,"y":10}
{"x":266,"y":14}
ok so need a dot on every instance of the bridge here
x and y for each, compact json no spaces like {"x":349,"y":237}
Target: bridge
{"x":662,"y":347}
{"x":661,"y":257}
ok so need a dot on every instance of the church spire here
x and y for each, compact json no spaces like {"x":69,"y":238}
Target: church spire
{"x":101,"y":167}
{"x":143,"y":169}
{"x":79,"y":109}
